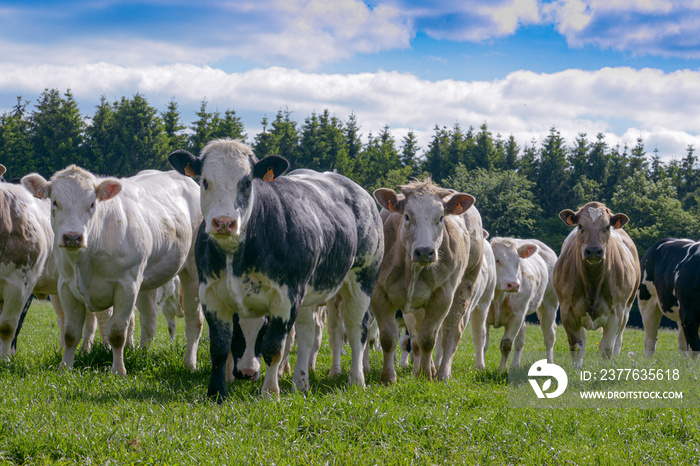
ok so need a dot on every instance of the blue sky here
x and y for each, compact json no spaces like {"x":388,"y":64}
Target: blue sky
{"x":626,"y":68}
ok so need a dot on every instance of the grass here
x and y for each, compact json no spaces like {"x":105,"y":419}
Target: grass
{"x":158,"y":413}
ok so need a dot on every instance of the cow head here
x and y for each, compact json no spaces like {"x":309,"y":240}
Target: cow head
{"x":508,"y":255}
{"x":595,"y":223}
{"x":227,"y":169}
{"x":423,"y":207}
{"x":246,"y":346}
{"x":75,"y":194}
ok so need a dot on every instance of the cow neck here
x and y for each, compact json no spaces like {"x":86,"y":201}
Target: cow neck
{"x":414,"y":272}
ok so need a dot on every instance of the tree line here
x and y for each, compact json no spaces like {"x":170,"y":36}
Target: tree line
{"x":519,"y":190}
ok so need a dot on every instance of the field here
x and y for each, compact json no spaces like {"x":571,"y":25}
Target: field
{"x":158,"y":413}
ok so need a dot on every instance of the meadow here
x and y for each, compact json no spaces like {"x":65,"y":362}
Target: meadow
{"x":159,"y":413}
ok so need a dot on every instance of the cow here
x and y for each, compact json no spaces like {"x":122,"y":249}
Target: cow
{"x":115,"y":242}
{"x":171,"y":299}
{"x":524,"y":286}
{"x":432,"y":259}
{"x":279,"y":246}
{"x":596,"y":278}
{"x":670,"y":286}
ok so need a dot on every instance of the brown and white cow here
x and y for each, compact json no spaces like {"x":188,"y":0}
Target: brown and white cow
{"x":596,"y":277}
{"x":433,"y":256}
{"x":115,"y":242}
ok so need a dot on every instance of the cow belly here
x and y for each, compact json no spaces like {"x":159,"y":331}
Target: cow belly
{"x":651,"y":294}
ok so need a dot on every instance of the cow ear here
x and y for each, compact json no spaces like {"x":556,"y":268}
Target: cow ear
{"x":185,"y":163}
{"x":527,"y":250}
{"x":391,"y":201}
{"x":458,"y":203}
{"x":569,"y":217}
{"x":486,"y":234}
{"x":108,"y":189}
{"x":37,"y":185}
{"x":2,"y":169}
{"x":270,"y":167}
{"x":618,"y":221}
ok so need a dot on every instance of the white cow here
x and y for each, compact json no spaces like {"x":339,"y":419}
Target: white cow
{"x":116,"y":241}
{"x":524,"y":286}
{"x":26,"y":264}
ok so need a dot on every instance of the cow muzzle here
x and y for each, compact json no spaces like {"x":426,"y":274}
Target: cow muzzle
{"x":72,"y":241}
{"x":224,"y":226}
{"x":593,"y":254}
{"x":424,"y":255}
{"x":512,"y":287}
{"x":247,"y":374}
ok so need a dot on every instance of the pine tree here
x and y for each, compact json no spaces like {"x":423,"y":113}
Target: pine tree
{"x":15,"y":148}
{"x":173,"y":127}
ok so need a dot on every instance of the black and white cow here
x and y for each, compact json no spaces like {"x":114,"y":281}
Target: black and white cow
{"x":279,"y":246}
{"x":670,"y":286}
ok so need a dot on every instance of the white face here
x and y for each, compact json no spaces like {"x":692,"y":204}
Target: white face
{"x":507,"y":266}
{"x":421,"y":230}
{"x":73,"y":205}
{"x":226,"y":193}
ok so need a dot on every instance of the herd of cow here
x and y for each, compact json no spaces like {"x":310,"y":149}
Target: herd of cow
{"x":265,"y":257}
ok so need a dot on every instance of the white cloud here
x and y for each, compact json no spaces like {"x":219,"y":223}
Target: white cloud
{"x":657,"y":27}
{"x":622,"y":103}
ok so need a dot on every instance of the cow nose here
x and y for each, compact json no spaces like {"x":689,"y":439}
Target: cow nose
{"x":593,"y":253}
{"x":224,"y":225}
{"x":72,"y":239}
{"x":424,"y":255}
{"x":513,"y":286}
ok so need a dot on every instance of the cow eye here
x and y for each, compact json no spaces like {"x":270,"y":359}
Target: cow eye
{"x":498,"y":262}
{"x":442,"y":217}
{"x":92,"y":206}
{"x":405,"y":217}
{"x":54,"y":204}
{"x":205,"y":183}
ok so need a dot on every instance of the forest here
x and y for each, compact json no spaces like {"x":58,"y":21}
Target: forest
{"x":519,"y":190}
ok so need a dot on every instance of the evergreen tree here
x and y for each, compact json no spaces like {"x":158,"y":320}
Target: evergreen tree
{"x":15,"y":148}
{"x":552,"y":186}
{"x":201,"y":129}
{"x":56,"y":132}
{"x":230,"y":126}
{"x":409,"y":153}
{"x":173,"y":128}
{"x":100,"y":138}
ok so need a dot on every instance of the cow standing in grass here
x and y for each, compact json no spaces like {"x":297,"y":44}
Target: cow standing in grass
{"x":115,"y":242}
{"x":279,"y":246}
{"x":433,"y":257}
{"x":670,"y":286}
{"x":524,"y":286}
{"x":596,"y":278}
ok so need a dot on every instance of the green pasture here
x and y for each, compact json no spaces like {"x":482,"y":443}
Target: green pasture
{"x":159,"y":414}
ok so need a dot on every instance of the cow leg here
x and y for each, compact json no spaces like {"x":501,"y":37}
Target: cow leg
{"x":575,"y":334}
{"x":610,"y":331}
{"x":285,"y":367}
{"x":690,"y":321}
{"x":411,"y":321}
{"x":305,"y":333}
{"x":335,"y":335}
{"x":89,"y":329}
{"x":148,"y":311}
{"x":518,"y":346}
{"x":103,"y":326}
{"x":513,"y":326}
{"x":682,"y":343}
{"x":14,"y":301}
{"x":194,"y":320}
{"x":479,"y":335}
{"x":405,"y":346}
{"x":74,"y":311}
{"x":355,"y":315}
{"x":548,"y":315}
{"x":388,"y":333}
{"x":451,"y":327}
{"x":220,"y":334}
{"x":318,"y":336}
{"x":125,"y":297}
{"x":651,"y":318}
{"x":60,"y":317}
{"x":620,"y":330}
{"x":170,"y":310}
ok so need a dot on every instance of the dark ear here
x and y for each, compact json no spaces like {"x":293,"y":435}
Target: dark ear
{"x":270,"y":167}
{"x":618,"y":221}
{"x":185,"y":163}
{"x":458,"y":203}
{"x":569,"y":217}
{"x":388,"y":199}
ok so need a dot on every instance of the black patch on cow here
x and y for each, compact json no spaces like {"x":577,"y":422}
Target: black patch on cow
{"x":399,"y":314}
{"x":210,"y":259}
{"x":408,"y":341}
{"x":245,"y":186}
{"x":238,"y":344}
{"x":271,"y":344}
{"x":219,"y":347}
{"x":644,"y":294}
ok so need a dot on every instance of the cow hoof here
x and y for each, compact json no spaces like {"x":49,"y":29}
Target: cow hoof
{"x":358,"y":381}
{"x":302,"y":385}
{"x":119,"y":371}
{"x":334,"y":372}
{"x":480,"y":366}
{"x":270,"y":395}
{"x":388,"y":378}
